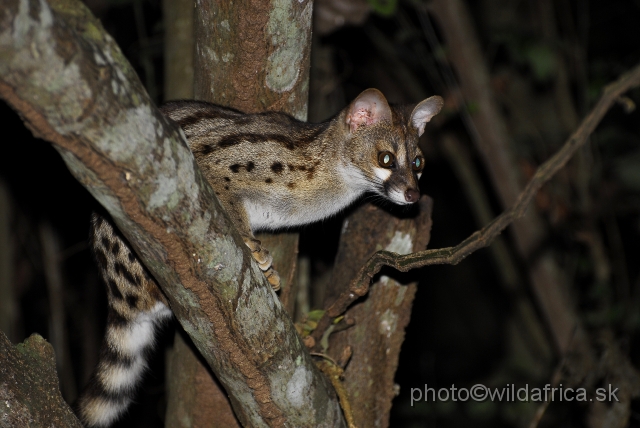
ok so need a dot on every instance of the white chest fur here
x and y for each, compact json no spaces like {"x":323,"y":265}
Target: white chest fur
{"x":282,"y":210}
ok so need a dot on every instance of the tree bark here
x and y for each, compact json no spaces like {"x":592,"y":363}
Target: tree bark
{"x":29,"y":389}
{"x":194,"y":397}
{"x":178,"y":49}
{"x":72,"y":86}
{"x":382,"y":316}
{"x":254,"y":55}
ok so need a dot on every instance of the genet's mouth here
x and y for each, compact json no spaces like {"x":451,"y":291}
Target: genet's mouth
{"x":398,"y":197}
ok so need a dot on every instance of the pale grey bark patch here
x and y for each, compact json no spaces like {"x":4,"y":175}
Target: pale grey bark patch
{"x":283,"y":65}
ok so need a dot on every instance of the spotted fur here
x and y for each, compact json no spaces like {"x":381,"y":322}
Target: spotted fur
{"x":269,"y":172}
{"x":136,"y":308}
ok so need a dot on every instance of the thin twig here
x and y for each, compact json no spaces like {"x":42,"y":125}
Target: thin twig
{"x":359,"y":286}
{"x":335,"y":373}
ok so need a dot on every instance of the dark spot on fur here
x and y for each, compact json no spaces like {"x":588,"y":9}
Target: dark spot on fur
{"x":113,"y":288}
{"x":115,"y":319}
{"x":291,"y":167}
{"x":101,"y":258}
{"x":226,"y":187}
{"x":217,"y":193}
{"x":131,"y":257}
{"x":205,"y":149}
{"x":119,"y":267}
{"x":250,"y":166}
{"x":227,"y":179}
{"x":277,"y":167}
{"x":310,"y":171}
{"x":291,"y":185}
{"x":122,"y":270}
{"x":133,"y":279}
{"x":249,"y":138}
{"x":235,"y":168}
{"x":231,"y":140}
{"x":115,"y":248}
{"x":132,"y":301}
{"x":302,"y":168}
{"x":230,"y":203}
{"x":268,"y":180}
{"x":105,"y":243}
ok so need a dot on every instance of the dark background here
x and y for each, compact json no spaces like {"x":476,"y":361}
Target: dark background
{"x":468,"y":326}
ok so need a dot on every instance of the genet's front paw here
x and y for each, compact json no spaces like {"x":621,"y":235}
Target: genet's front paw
{"x":264,"y":259}
{"x":273,"y":278}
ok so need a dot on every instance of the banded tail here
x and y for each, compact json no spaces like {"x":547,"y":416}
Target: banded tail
{"x":137,"y":309}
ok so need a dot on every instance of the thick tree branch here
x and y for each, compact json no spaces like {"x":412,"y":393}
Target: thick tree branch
{"x":375,"y":339}
{"x":483,"y":237}
{"x":72,"y":86}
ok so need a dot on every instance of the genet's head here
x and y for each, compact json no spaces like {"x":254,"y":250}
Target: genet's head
{"x":384,"y":144}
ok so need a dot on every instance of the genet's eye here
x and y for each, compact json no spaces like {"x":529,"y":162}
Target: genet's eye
{"x":417,"y":164}
{"x":386,"y":159}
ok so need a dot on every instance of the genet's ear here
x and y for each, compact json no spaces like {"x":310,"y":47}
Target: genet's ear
{"x":368,"y":108}
{"x":425,"y":111}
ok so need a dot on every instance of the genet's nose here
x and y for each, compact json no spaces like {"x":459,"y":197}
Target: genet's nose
{"x":411,"y":195}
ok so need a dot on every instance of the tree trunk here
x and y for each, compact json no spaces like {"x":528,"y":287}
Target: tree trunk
{"x":382,"y":316}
